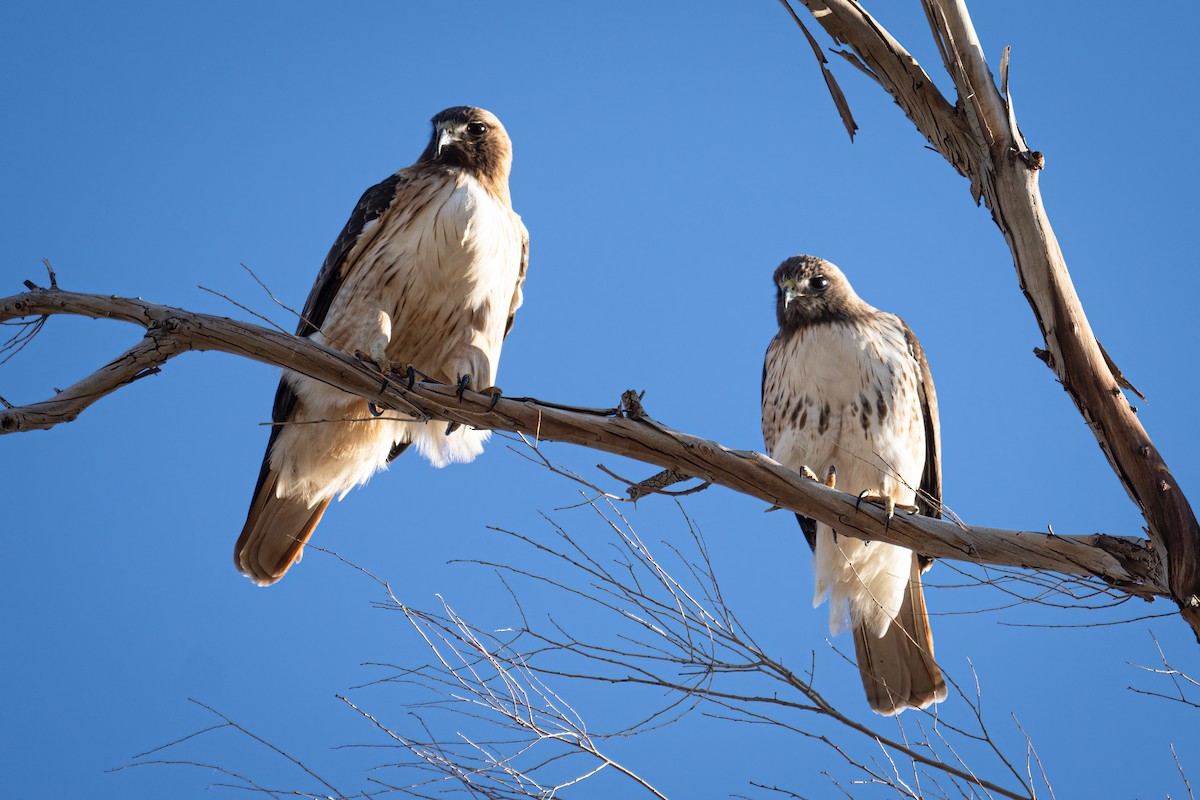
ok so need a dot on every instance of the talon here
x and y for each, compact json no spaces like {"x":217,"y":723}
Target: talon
{"x":463,"y":383}
{"x":884,"y":501}
{"x":495,"y":397}
{"x":375,"y":410}
{"x":412,"y":376}
{"x":831,"y":477}
{"x":807,"y":473}
{"x":451,"y":427}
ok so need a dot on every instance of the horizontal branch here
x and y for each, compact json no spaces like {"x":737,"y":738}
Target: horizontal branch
{"x":1126,"y":563}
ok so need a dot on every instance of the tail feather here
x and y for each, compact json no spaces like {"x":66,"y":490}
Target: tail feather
{"x":275,"y":533}
{"x":898,"y":669}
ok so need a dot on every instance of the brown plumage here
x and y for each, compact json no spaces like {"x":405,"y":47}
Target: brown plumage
{"x":847,"y":386}
{"x":428,"y":272}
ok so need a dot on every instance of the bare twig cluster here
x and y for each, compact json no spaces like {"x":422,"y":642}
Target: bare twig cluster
{"x":1186,"y":692}
{"x":487,"y":716}
{"x":673,"y":631}
{"x":1187,"y":688}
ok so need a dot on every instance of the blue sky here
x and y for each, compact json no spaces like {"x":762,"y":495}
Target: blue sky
{"x":667,"y":157}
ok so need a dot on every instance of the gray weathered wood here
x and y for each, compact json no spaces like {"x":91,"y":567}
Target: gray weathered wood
{"x":1126,"y":563}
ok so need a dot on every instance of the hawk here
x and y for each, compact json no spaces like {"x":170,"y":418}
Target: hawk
{"x":427,"y":276}
{"x":847,"y":392}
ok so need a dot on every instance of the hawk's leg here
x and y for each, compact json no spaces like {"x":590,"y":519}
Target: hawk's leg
{"x":377,"y":353}
{"x":380,"y":338}
{"x":375,"y":410}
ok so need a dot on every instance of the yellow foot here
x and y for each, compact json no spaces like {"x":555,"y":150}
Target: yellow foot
{"x":885,"y":502}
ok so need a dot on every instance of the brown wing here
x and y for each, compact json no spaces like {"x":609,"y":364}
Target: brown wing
{"x":517,"y":296}
{"x":370,"y":206}
{"x":929,"y":498}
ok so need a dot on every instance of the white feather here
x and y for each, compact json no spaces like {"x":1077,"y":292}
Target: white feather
{"x":823,"y":392}
{"x":443,"y":273}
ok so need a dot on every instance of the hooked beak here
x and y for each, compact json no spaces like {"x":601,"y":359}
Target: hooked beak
{"x":789,"y":294}
{"x":446,"y":136}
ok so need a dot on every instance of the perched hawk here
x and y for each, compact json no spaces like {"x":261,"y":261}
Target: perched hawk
{"x":847,"y":391}
{"x":427,"y":273}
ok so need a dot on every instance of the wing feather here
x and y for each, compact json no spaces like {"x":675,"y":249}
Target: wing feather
{"x":518,"y":297}
{"x":929,"y":499}
{"x":370,"y":207}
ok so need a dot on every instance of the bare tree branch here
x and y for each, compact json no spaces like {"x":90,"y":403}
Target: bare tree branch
{"x":978,"y":136}
{"x":1182,"y":682}
{"x":1125,"y":563}
{"x":674,"y":635}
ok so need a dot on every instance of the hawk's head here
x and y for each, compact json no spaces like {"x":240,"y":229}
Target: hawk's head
{"x":810,"y":291}
{"x":473,"y":139}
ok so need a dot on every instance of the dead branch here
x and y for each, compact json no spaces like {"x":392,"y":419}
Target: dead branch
{"x":673,"y":635}
{"x":1126,"y":563}
{"x":979,"y":137}
{"x":483,"y":717}
{"x":1187,"y":689}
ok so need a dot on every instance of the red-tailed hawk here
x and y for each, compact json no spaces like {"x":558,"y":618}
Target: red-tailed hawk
{"x":846,"y":387}
{"x":427,"y":273}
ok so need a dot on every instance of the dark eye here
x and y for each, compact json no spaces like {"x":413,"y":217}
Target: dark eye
{"x":477,"y":129}
{"x":819,"y":283}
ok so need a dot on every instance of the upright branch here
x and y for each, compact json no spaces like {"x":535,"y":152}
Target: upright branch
{"x":1121,"y":562}
{"x":979,"y":137}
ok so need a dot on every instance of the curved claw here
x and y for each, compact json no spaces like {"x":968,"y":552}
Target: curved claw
{"x":375,"y":410}
{"x":495,"y":397}
{"x":451,"y":427}
{"x":463,"y":383}
{"x":412,"y":376}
